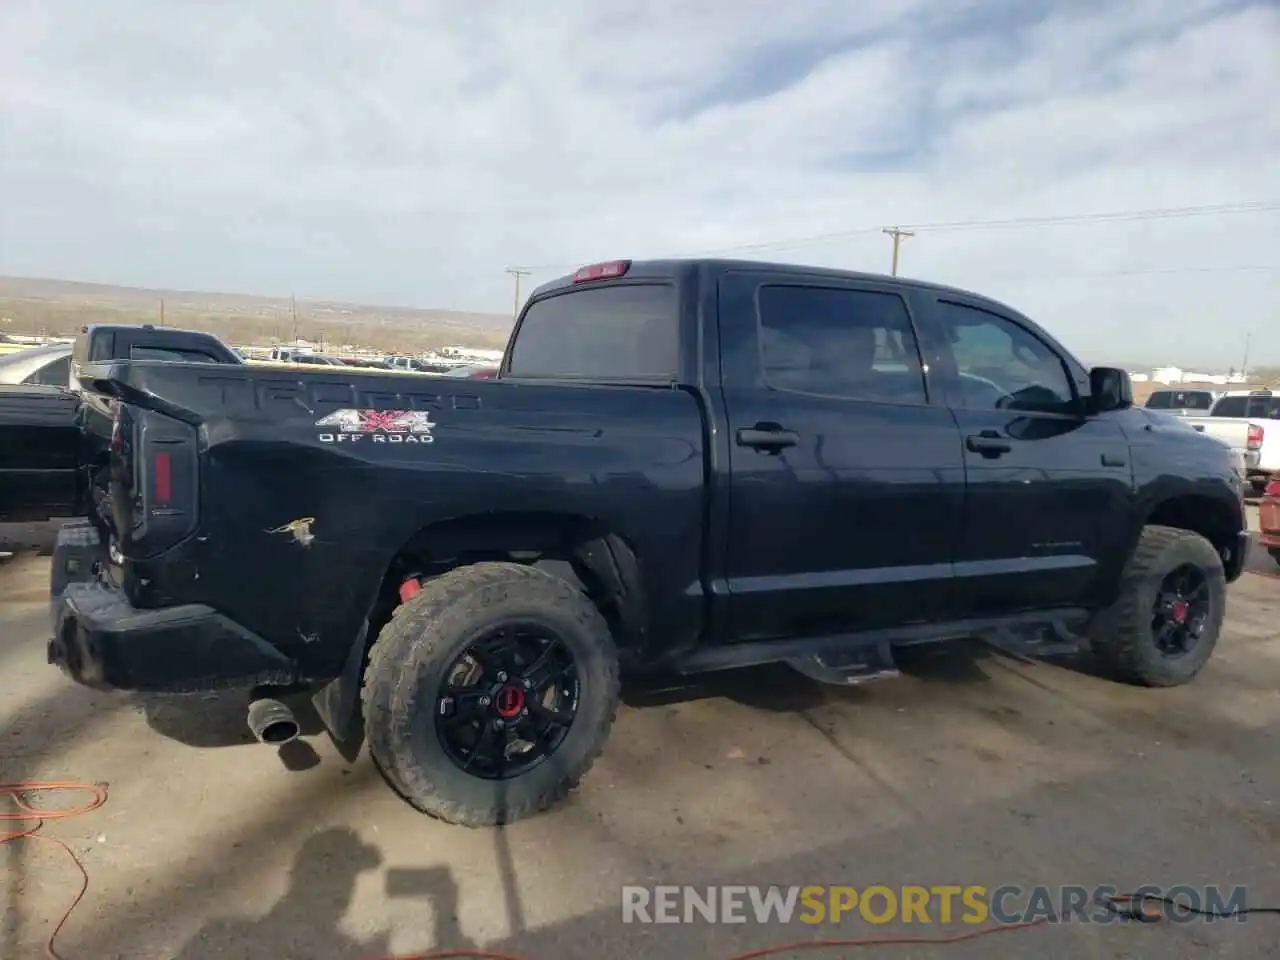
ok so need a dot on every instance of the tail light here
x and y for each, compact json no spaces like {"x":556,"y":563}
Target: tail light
{"x":483,"y":375}
{"x":1272,"y":489}
{"x":602,"y":271}
{"x":154,"y":481}
{"x":1254,"y":438}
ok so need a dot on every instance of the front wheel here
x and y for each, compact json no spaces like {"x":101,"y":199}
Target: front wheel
{"x":490,"y":693}
{"x":1164,"y":624}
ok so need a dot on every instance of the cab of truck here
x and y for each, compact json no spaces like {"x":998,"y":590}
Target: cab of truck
{"x":99,"y":342}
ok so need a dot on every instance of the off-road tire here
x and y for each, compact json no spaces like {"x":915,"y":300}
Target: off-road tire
{"x":426,"y":634}
{"x":1121,"y":636}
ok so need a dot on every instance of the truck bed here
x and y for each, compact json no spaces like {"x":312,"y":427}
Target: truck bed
{"x":328,"y":473}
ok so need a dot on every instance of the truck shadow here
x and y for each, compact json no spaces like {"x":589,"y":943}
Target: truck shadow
{"x":303,"y":922}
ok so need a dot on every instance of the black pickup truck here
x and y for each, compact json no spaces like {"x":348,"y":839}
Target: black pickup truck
{"x":682,"y":466}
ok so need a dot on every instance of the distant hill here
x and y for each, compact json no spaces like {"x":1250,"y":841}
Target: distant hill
{"x":59,"y":307}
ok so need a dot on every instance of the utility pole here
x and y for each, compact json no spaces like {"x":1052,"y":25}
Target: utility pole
{"x":1244,"y":367}
{"x":293,"y":310}
{"x":517,"y":273}
{"x":898,"y":235}
{"x":162,"y":312}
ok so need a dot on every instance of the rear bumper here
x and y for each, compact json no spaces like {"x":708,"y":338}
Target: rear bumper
{"x":101,"y":640}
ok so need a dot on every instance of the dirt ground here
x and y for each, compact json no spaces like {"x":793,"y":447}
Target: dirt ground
{"x":971,"y":769}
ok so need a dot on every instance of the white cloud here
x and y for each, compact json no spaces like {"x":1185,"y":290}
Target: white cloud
{"x":410,"y":151}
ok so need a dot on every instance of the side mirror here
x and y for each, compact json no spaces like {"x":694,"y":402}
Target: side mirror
{"x":1109,"y":389}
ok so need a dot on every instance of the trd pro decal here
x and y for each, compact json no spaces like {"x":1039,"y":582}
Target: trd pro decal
{"x":376,"y":426}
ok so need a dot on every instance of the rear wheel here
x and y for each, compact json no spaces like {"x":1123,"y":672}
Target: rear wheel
{"x":1163,"y":627}
{"x":490,"y":693}
{"x":1275,"y":553}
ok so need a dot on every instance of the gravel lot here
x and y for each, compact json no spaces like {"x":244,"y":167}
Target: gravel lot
{"x":971,"y":769}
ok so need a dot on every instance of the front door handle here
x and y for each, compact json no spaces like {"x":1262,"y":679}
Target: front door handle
{"x":767,"y":436}
{"x":988,"y":443}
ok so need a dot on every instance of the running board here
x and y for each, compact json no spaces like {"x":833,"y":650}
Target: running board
{"x":848,"y":668}
{"x":1029,"y":646}
{"x":1016,"y":635}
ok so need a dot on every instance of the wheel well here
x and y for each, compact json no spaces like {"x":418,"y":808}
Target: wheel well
{"x":604,"y":563}
{"x":1211,"y":518}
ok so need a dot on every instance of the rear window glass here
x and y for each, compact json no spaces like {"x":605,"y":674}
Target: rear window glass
{"x":618,"y":332}
{"x":1180,"y":400}
{"x":1263,"y":407}
{"x":174,"y":356}
{"x":100,"y":347}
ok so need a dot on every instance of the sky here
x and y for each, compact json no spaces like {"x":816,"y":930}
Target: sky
{"x":409,"y":152}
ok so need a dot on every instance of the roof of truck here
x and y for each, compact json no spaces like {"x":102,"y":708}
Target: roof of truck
{"x":665,"y":268}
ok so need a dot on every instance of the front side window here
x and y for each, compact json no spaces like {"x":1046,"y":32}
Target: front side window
{"x":1003,"y":366}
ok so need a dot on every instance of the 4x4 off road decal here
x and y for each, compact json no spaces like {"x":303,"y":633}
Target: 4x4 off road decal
{"x":377,"y":426}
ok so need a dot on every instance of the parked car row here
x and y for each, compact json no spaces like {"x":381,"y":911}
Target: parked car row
{"x":1246,"y":420}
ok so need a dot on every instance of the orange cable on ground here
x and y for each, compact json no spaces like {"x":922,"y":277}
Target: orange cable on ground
{"x":17,"y":792}
{"x":774,"y":951}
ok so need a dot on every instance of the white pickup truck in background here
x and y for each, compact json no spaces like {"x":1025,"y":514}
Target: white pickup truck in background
{"x":1249,"y":421}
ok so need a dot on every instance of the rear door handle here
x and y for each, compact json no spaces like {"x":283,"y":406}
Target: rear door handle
{"x":988,"y":443}
{"x":769,"y":437}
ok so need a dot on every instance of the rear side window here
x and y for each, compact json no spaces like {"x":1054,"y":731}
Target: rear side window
{"x":615,"y":332}
{"x":837,"y":342}
{"x":1231,"y":407}
{"x":1160,"y":400}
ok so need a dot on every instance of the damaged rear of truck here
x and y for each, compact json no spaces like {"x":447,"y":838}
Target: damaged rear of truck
{"x":252,"y":529}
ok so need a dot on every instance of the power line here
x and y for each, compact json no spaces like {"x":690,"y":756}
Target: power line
{"x":1113,"y":216}
{"x":1143,"y":272}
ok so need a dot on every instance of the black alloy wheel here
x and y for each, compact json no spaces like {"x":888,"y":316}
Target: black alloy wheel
{"x":507,"y":702}
{"x":1181,"y":610}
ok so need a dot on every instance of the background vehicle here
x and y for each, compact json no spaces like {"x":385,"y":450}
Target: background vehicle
{"x":43,"y":470}
{"x":473,"y":371}
{"x":47,"y":365}
{"x":1269,"y":519}
{"x":1248,"y":421}
{"x":1181,"y":403}
{"x":682,"y":466}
